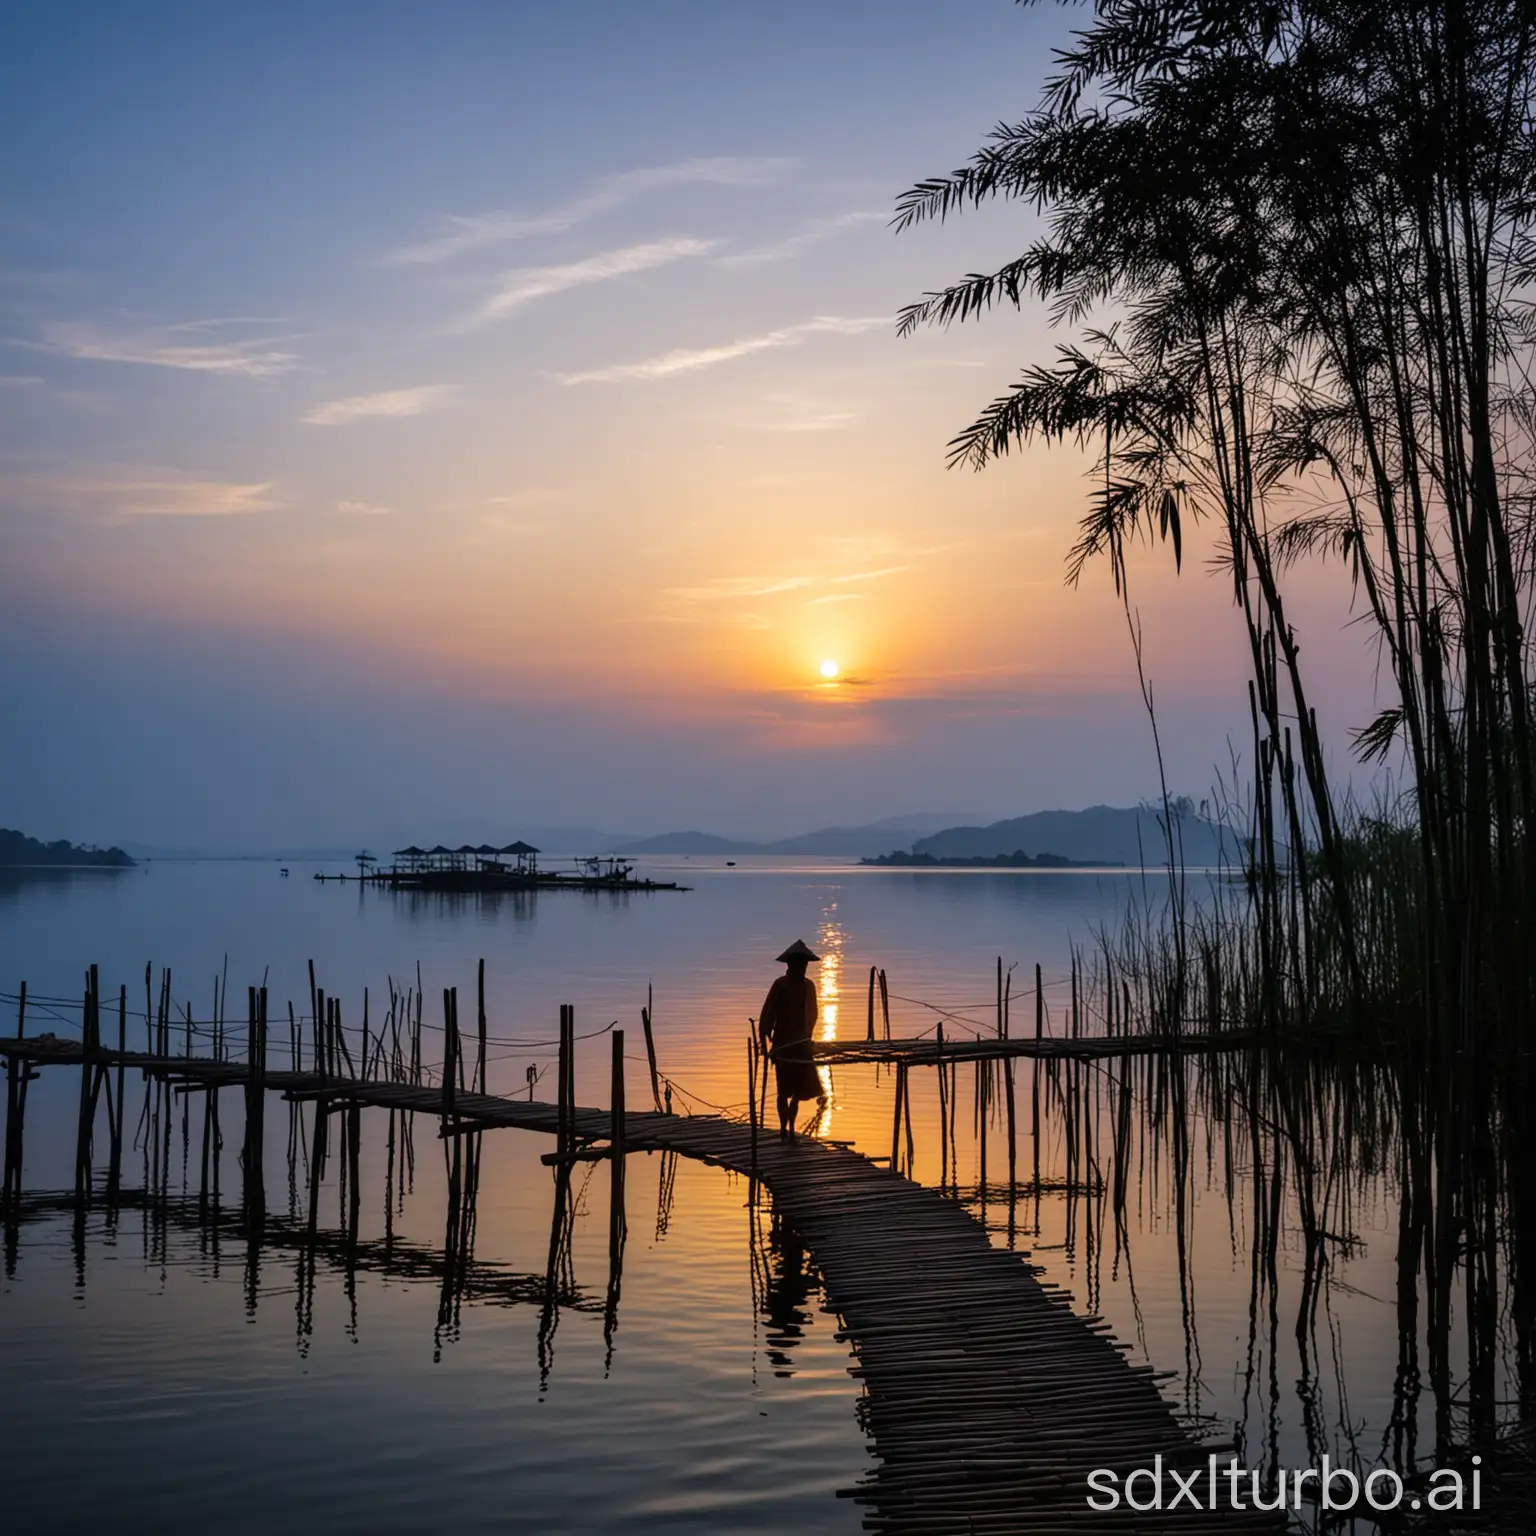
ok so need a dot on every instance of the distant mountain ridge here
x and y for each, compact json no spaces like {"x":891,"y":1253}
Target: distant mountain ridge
{"x":1101,"y":834}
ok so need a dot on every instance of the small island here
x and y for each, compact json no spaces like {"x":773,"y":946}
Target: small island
{"x":18,"y":851}
{"x":1018,"y":859}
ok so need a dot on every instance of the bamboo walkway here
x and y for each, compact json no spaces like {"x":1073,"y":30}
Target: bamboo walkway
{"x":988,"y":1399}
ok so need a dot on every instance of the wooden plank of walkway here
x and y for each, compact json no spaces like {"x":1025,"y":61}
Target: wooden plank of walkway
{"x":989,"y":1400}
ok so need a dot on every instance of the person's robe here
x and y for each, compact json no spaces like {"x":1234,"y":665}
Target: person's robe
{"x":788,"y":1024}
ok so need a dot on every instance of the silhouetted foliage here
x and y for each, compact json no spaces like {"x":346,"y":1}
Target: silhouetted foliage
{"x":1303,"y":232}
{"x":18,"y":850}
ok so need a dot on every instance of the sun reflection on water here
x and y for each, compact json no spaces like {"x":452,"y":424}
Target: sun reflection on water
{"x":831,"y":940}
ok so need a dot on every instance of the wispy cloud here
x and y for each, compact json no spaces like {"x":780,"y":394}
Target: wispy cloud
{"x":262,"y":358}
{"x":219,"y":322}
{"x":481,"y":230}
{"x":737,"y":589}
{"x":362,"y":509}
{"x":797,"y":244}
{"x":523,"y":285}
{"x":689,"y":360}
{"x":20,"y":381}
{"x":184,"y":498}
{"x":388,"y":402}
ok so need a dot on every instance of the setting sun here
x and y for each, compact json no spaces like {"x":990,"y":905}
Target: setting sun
{"x":829,"y":670}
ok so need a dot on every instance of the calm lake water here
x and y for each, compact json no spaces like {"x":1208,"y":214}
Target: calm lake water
{"x":158,"y":1372}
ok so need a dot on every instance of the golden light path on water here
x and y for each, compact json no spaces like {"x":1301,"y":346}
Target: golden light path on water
{"x":829,"y":990}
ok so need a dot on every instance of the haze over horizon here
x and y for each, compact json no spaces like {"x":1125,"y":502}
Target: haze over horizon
{"x":409,"y":417}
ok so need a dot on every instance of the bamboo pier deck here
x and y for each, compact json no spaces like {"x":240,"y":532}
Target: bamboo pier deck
{"x":988,"y":1399}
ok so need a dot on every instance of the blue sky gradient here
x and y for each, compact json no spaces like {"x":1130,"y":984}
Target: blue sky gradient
{"x":474,"y":410}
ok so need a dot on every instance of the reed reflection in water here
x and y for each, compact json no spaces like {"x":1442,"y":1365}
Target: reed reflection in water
{"x":1264,"y":1222}
{"x":435,"y":1343}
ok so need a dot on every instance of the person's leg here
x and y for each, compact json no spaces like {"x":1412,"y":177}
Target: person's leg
{"x":786,"y":1114}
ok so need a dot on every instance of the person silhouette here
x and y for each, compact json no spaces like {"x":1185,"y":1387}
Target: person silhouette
{"x":787,"y":1024}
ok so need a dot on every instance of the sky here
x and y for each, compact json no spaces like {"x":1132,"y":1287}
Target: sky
{"x":414,"y":415}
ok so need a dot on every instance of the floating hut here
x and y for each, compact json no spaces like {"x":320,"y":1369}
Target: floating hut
{"x":514,"y":867}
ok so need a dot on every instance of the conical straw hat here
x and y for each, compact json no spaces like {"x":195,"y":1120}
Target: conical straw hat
{"x":799,"y":951}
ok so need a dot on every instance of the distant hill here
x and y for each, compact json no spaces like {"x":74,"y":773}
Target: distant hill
{"x":20,"y":851}
{"x":1016,"y":860}
{"x":1101,"y":834}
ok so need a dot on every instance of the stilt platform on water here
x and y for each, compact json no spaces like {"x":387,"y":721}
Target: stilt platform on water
{"x":989,"y":1400}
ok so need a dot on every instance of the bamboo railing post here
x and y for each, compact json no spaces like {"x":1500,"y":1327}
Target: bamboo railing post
{"x":115,"y":1158}
{"x":650,"y":1048}
{"x":943,"y":1110}
{"x":255,"y":1111}
{"x":480,"y":1061}
{"x":870,"y":1033}
{"x":1013,"y":1150}
{"x":762,"y":1081}
{"x":901,"y":1088}
{"x":450,"y":1053}
{"x":752,"y":1108}
{"x":885,"y":1005}
{"x":570,"y":1074}
{"x":15,"y":1069}
{"x":320,"y":1049}
{"x":89,"y":1030}
{"x":314,"y":1013}
{"x":981,"y":1123}
{"x":563,"y":1129}
{"x":906,"y":1114}
{"x":251,"y":1092}
{"x":1034,"y":1090}
{"x":616,"y":1111}
{"x":618,"y":1226}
